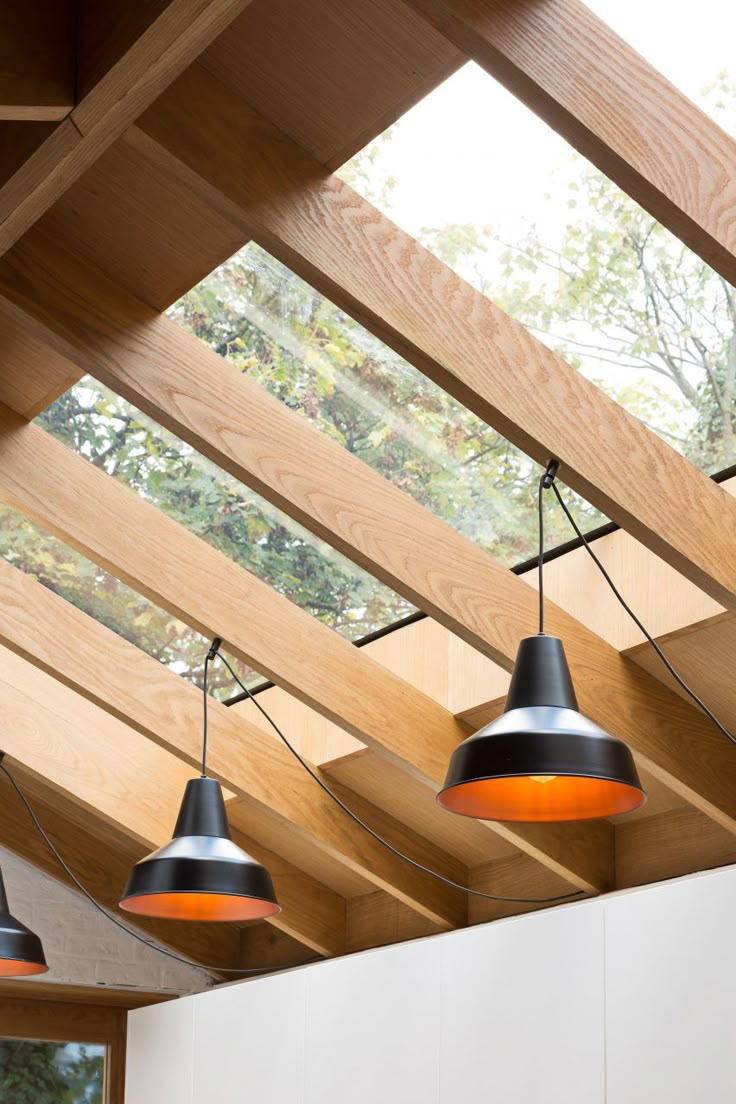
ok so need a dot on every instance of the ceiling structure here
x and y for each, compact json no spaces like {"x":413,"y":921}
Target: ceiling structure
{"x":140,"y":146}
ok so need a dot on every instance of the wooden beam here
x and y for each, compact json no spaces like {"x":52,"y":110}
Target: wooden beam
{"x":39,"y":374}
{"x":237,"y":424}
{"x":37,"y":60}
{"x":588,"y":84}
{"x":122,"y":680}
{"x":111,"y":771}
{"x":333,"y":74}
{"x":103,"y":996}
{"x":149,"y":551}
{"x":174,"y":38}
{"x":669,"y":845}
{"x":417,"y":305}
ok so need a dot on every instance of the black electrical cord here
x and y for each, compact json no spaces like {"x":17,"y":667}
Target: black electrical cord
{"x":371,"y":831}
{"x":546,"y":480}
{"x":111,"y":916}
{"x":675,"y":674}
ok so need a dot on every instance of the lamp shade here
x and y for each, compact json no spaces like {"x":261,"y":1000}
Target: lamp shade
{"x":20,"y":950}
{"x":541,"y":760}
{"x":201,"y":874}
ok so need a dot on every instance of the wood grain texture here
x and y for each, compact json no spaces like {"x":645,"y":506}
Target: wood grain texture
{"x":102,"y":996}
{"x":233,"y":421}
{"x":174,"y":38}
{"x":112,"y":771}
{"x":571,"y":69}
{"x":287,"y":813}
{"x":149,"y":551}
{"x":332,"y":74}
{"x":417,"y":305}
{"x":669,"y":845}
{"x":120,"y":217}
{"x":341,"y":682}
{"x":37,"y":60}
{"x":33,"y":374}
{"x":345,"y":686}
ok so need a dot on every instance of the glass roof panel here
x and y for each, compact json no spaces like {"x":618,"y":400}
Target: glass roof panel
{"x":321,"y":363}
{"x":167,"y":472}
{"x":501,"y":198}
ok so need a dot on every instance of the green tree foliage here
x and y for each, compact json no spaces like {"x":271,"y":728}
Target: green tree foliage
{"x":50,"y":1073}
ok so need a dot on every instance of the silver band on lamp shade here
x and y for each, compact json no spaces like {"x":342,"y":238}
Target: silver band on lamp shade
{"x":541,"y":760}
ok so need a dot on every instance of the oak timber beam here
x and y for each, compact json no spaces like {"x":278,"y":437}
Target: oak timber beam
{"x":176,"y":36}
{"x":323,"y":230}
{"x":186,"y":386}
{"x":570,"y":68}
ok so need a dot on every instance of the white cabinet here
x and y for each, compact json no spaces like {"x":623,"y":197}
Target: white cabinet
{"x":158,"y":1068}
{"x":522,"y":1010}
{"x":671,"y":993}
{"x":373,"y":1028}
{"x":249,"y":1042}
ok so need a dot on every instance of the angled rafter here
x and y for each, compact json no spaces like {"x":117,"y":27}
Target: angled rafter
{"x":175,"y":37}
{"x":570,"y":68}
{"x":96,"y":761}
{"x":279,"y":195}
{"x":144,"y":548}
{"x":187,"y":387}
{"x":138,"y":690}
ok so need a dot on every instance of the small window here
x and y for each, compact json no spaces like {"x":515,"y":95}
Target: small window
{"x":39,"y":1072}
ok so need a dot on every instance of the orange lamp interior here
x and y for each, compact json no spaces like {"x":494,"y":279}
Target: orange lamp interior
{"x":16,"y":967}
{"x":199,"y":906}
{"x":541,"y":798}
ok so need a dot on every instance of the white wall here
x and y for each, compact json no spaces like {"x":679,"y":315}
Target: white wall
{"x":629,"y":999}
{"x":81,"y":946}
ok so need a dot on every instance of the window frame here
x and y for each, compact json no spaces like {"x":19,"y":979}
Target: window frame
{"x":75,"y":1021}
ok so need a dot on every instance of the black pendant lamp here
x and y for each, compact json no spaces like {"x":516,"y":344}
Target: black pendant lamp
{"x":21,"y":952}
{"x":201,"y":874}
{"x":541,"y":760}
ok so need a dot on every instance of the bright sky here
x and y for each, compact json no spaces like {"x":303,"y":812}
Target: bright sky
{"x":470,"y":152}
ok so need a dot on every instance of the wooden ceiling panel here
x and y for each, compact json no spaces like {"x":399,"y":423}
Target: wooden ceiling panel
{"x":125,"y":217}
{"x":332,"y":74}
{"x":32,"y":374}
{"x":705,"y":655}
{"x":37,"y":59}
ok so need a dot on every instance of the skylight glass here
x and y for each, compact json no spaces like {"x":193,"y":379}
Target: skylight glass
{"x":167,"y":472}
{"x":501,"y":198}
{"x":321,"y":363}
